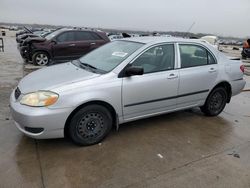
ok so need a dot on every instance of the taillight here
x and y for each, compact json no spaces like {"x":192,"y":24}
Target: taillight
{"x":242,"y":68}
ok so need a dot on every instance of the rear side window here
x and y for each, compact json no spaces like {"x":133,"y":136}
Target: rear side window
{"x":192,"y":56}
{"x":96,"y":36}
{"x":66,"y":37}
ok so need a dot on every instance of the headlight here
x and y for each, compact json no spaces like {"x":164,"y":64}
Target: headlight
{"x":39,"y":98}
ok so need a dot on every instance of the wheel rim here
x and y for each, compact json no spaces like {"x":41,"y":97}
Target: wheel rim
{"x":42,"y":59}
{"x":216,"y":102}
{"x":91,"y":126}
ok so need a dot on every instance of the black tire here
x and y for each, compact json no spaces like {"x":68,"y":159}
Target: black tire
{"x":216,"y":102}
{"x":40,"y":58}
{"x":90,"y":125}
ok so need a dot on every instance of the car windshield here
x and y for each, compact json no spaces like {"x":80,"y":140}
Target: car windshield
{"x":110,"y":55}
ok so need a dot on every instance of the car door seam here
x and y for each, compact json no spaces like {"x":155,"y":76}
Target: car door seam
{"x":166,"y":98}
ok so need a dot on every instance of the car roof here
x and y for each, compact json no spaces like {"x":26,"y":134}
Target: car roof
{"x":160,"y":39}
{"x":77,"y":29}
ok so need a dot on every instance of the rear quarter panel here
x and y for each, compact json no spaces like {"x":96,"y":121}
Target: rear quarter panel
{"x":230,"y":72}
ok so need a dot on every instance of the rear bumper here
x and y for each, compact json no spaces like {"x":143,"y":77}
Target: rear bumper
{"x":237,"y":86}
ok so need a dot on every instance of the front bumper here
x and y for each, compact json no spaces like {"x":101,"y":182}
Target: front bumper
{"x":51,"y":122}
{"x":24,"y":51}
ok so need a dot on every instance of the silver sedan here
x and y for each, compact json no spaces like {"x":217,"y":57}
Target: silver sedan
{"x":122,"y":81}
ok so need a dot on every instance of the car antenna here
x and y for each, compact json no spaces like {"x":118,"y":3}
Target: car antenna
{"x":189,"y":29}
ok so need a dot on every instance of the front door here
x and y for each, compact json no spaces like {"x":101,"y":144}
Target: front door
{"x":155,"y":91}
{"x":65,"y":46}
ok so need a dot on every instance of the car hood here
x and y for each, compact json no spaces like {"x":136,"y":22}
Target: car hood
{"x":53,"y":77}
{"x":34,"y":39}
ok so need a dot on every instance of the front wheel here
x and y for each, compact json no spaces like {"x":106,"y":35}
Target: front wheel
{"x":215,"y":102}
{"x":40,"y":58}
{"x":90,"y":125}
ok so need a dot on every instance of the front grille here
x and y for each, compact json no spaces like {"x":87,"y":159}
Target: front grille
{"x":17,"y":93}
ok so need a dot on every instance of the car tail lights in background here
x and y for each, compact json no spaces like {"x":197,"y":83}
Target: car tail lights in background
{"x":242,"y":68}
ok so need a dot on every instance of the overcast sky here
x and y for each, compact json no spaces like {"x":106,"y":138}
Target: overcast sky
{"x":222,"y":17}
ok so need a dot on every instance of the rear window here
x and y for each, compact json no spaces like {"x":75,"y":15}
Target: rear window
{"x":96,"y":36}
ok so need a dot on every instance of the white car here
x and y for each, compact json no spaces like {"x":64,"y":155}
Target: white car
{"x":122,"y":81}
{"x":115,"y":37}
{"x":213,"y":40}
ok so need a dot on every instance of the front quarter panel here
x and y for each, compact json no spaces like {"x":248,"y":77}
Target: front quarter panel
{"x":106,"y":88}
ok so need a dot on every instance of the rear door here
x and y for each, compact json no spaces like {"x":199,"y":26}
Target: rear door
{"x":155,"y":91}
{"x":198,"y":73}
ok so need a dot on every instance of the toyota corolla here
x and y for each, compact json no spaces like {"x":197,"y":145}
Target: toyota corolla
{"x":122,"y":81}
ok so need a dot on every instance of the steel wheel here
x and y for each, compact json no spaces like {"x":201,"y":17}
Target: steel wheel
{"x":90,"y":125}
{"x":215,"y":102}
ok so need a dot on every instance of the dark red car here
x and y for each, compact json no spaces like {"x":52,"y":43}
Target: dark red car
{"x":63,"y":44}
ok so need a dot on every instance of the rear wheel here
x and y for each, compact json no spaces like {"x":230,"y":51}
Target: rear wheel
{"x":40,"y":58}
{"x":90,"y":125}
{"x":215,"y":102}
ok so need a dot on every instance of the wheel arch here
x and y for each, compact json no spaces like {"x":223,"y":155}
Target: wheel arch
{"x":98,"y":102}
{"x":42,"y":50}
{"x":34,"y":53}
{"x":227,"y":86}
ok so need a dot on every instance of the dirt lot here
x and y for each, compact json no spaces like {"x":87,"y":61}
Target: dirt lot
{"x":183,"y":149}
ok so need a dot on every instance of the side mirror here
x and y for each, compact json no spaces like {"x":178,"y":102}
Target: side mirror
{"x":134,"y":70}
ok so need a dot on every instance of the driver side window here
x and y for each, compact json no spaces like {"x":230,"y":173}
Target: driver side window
{"x":156,"y":59}
{"x":66,"y":37}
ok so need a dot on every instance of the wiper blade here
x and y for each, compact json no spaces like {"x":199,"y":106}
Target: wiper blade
{"x":92,"y":68}
{"x":88,"y":65}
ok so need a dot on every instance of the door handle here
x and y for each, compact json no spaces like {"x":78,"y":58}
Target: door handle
{"x":172,"y":76}
{"x":212,"y":70}
{"x":92,"y":43}
{"x":72,"y":44}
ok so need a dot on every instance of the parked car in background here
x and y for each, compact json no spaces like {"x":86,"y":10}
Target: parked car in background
{"x":13,"y":28}
{"x":213,"y":40}
{"x":63,"y":44}
{"x":115,"y":37}
{"x":246,"y":49}
{"x":122,"y":81}
{"x":21,"y":38}
{"x":25,"y":30}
